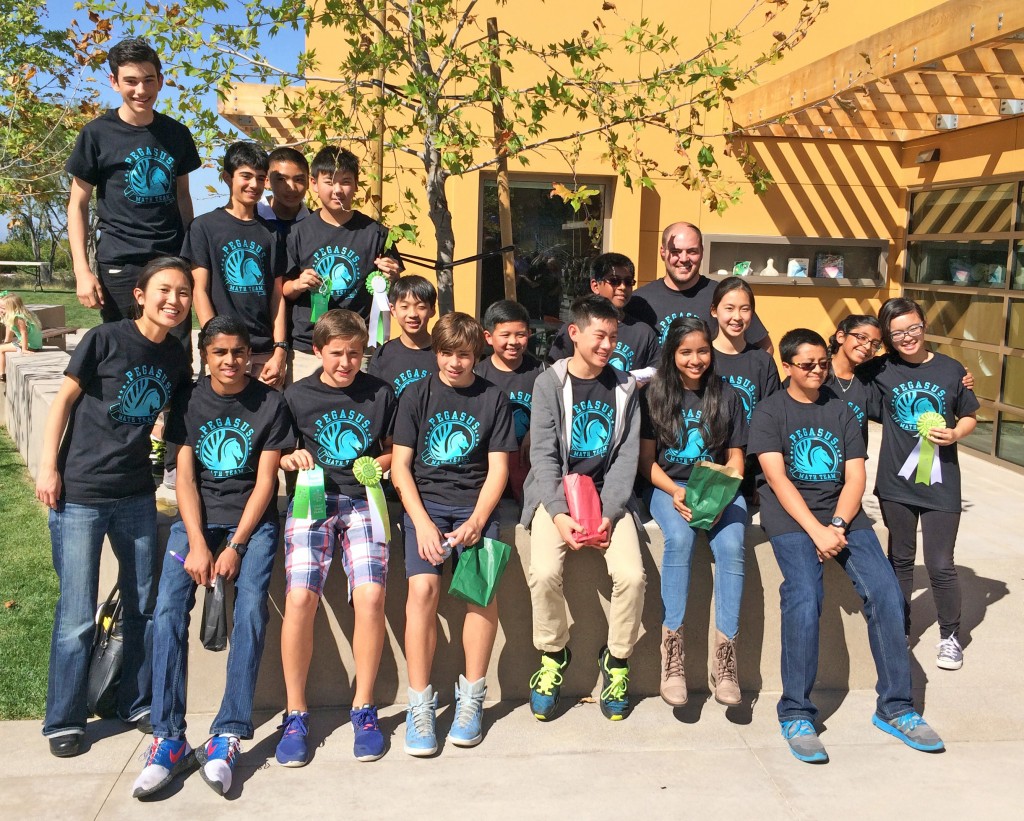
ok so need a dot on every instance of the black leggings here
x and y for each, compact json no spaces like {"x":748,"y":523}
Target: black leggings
{"x":938,"y":536}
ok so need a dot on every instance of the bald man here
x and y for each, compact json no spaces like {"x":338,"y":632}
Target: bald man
{"x":683,"y":291}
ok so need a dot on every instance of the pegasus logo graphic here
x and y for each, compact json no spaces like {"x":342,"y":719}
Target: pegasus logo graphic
{"x":342,"y":436}
{"x":622,"y":357}
{"x":592,"y":423}
{"x":668,"y":320}
{"x":815,"y":456}
{"x":224,"y":447}
{"x":143,"y":395}
{"x":340,"y":265}
{"x":522,"y":403}
{"x":150,"y":176}
{"x":910,"y":399}
{"x":747,"y":391}
{"x":690,"y":448}
{"x":242,"y":264}
{"x":451,"y":438}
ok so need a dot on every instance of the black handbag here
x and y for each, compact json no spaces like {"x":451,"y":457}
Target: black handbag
{"x":214,"y":630}
{"x":107,"y":658}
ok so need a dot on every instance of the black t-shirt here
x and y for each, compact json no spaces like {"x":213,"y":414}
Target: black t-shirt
{"x":126,"y":381}
{"x":678,"y":461}
{"x":135,"y":171}
{"x":401,"y":366}
{"x":239,"y":254}
{"x":658,"y":305}
{"x":859,"y":395}
{"x":228,"y":434}
{"x":451,"y":431}
{"x":816,"y":439}
{"x":338,"y":425}
{"x":342,"y":253}
{"x":518,"y":387}
{"x":906,"y":391}
{"x":637,"y":346}
{"x":593,"y":424}
{"x":753,"y":374}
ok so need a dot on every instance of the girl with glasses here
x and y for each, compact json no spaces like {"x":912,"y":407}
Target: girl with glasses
{"x":853,"y":347}
{"x":912,"y":485}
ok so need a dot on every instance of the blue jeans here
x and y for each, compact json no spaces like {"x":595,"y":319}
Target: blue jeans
{"x":248,"y":631}
{"x":802,"y":592}
{"x":726,"y":540}
{"x":76,"y":536}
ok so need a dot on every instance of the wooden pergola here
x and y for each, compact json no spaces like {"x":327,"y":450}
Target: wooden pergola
{"x":247,"y":110}
{"x":958,"y":65}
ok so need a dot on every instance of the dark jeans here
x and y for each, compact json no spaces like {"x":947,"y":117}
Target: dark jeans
{"x":938,"y":538}
{"x":802,"y":592}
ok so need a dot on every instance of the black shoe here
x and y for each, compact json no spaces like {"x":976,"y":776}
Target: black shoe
{"x":145,"y":724}
{"x":66,"y":746}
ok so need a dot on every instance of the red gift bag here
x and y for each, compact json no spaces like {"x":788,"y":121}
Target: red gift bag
{"x":584,"y":506}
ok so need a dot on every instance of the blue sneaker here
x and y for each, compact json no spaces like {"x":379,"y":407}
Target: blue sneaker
{"x":291,"y":749}
{"x":369,"y":740}
{"x":803,"y":741}
{"x":420,"y":723}
{"x":217,"y":761}
{"x":912,"y":730}
{"x":467,"y":729}
{"x":546,"y":684}
{"x":614,"y":688}
{"x":167,"y":758}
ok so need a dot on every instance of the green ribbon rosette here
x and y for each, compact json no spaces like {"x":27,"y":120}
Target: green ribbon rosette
{"x":923,"y":460}
{"x":378,"y":284}
{"x":320,"y":300}
{"x":310,"y":499}
{"x":368,"y":473}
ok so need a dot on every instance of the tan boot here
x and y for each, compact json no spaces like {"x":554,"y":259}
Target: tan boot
{"x":673,"y":677}
{"x":724,"y":675}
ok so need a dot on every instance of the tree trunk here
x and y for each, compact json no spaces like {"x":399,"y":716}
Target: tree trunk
{"x":441,"y":217}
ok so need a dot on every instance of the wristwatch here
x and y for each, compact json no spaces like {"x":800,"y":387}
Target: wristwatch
{"x":841,"y":523}
{"x":238,"y":548}
{"x":282,"y":345}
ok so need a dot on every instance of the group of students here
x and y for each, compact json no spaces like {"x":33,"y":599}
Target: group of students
{"x":625,"y":395}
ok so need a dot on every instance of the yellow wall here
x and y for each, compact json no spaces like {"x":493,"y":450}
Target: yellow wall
{"x":837,"y":189}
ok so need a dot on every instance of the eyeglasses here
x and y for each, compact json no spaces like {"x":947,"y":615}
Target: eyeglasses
{"x":615,"y":282}
{"x":807,"y":367}
{"x":913,"y":330}
{"x":874,"y":344}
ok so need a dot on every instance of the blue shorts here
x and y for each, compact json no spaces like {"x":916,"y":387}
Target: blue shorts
{"x":447,"y":519}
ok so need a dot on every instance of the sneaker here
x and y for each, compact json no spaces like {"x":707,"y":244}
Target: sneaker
{"x":724,"y":675}
{"x":144,"y":723}
{"x":951,"y":654}
{"x":420,"y":723}
{"x":673,"y":676}
{"x":369,"y":740}
{"x":912,"y":730}
{"x":803,"y":741}
{"x":467,"y":729}
{"x":614,"y":688}
{"x":291,"y":749}
{"x":167,"y":758}
{"x":217,"y":761}
{"x":546,"y":684}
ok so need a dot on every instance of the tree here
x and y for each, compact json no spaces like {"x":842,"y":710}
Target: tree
{"x":45,"y":98}
{"x":416,"y":74}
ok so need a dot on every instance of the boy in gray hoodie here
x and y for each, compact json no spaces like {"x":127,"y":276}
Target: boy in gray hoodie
{"x":594,"y":409}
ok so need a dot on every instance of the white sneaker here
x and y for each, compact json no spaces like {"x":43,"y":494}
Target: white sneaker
{"x":166,"y":758}
{"x":951,"y":654}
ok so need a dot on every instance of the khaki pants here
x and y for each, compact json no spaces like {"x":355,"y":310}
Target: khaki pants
{"x":625,"y":566}
{"x":300,"y":365}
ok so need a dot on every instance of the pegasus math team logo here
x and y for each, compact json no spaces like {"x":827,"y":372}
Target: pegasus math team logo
{"x":408,"y":377}
{"x":910,"y":399}
{"x":224,"y":446}
{"x":150,"y":176}
{"x":690,"y":449}
{"x":339,"y":264}
{"x":668,"y":320}
{"x":521,"y":405}
{"x":242,"y":263}
{"x":451,"y":436}
{"x":145,"y":392}
{"x":815,"y":455}
{"x":622,"y":357}
{"x":592,"y":423}
{"x":342,"y":436}
{"x":747,"y":391}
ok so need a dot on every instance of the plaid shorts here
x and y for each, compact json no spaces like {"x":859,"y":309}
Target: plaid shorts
{"x":310,"y":544}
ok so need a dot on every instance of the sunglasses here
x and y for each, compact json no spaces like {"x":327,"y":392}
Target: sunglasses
{"x":807,"y":367}
{"x":615,"y":282}
{"x":874,"y":344}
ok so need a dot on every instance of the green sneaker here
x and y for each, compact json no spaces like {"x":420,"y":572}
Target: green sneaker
{"x":615,"y":688}
{"x":545,"y":685}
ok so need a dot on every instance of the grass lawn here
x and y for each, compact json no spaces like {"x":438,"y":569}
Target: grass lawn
{"x":28,"y":590}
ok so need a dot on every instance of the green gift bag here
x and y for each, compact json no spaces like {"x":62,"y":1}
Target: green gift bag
{"x":479,"y":570}
{"x":708,"y":492}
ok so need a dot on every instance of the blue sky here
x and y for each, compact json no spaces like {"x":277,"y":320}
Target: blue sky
{"x":61,"y":12}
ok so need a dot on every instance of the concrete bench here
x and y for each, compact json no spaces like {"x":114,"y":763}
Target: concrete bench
{"x":845,"y":657}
